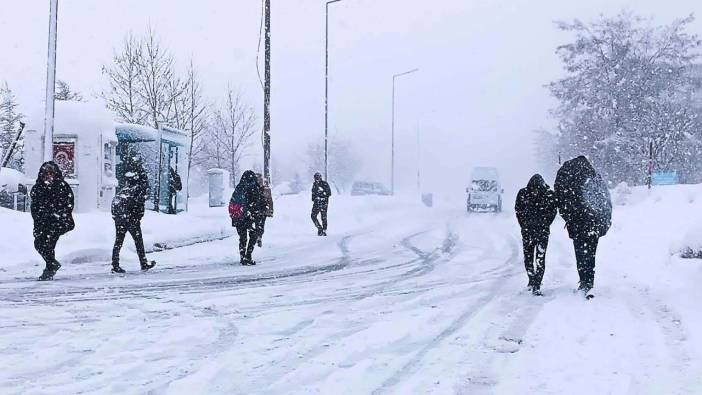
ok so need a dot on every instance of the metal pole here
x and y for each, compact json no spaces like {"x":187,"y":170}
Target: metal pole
{"x":50,"y":83}
{"x":267,"y":98}
{"x":326,"y":88}
{"x":392,"y":137}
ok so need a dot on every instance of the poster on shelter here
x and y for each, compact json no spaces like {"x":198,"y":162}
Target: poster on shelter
{"x":64,"y":156}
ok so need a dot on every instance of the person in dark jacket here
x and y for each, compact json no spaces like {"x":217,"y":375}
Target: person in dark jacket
{"x":265,"y":209}
{"x":320,"y":203}
{"x":244,"y":208}
{"x":128,"y":210}
{"x":175,"y":185}
{"x":536,"y":209}
{"x":585,"y":205}
{"x":52,"y":212}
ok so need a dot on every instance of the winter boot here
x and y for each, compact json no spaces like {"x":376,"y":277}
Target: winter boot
{"x":536,"y":290}
{"x":320,"y":232}
{"x":47,"y":275}
{"x":324,"y":232}
{"x":116,"y":268}
{"x":145,"y":266}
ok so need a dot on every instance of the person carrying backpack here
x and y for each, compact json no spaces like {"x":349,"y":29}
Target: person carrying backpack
{"x":174,"y":186}
{"x":244,"y":208}
{"x":128,"y":210}
{"x":536,"y":209}
{"x":586,"y":206}
{"x":52,"y":211}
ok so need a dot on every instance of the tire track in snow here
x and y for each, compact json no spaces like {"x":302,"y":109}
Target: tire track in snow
{"x":410,"y":367}
{"x":426,"y":261}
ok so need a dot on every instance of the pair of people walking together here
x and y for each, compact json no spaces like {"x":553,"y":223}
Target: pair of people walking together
{"x":249,"y":207}
{"x":582,"y":198}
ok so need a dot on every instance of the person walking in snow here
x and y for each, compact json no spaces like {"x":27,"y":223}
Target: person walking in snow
{"x":128,"y":210}
{"x":52,"y":212}
{"x":244,"y":208}
{"x":320,"y":203}
{"x":585,"y":205}
{"x":536,"y":209}
{"x":265,"y":210}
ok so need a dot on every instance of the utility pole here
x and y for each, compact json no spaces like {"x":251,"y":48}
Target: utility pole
{"x":50,"y":83}
{"x":267,"y":98}
{"x":326,"y":89}
{"x":392,"y":137}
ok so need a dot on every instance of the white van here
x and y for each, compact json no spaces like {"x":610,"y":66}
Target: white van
{"x":485,"y":191}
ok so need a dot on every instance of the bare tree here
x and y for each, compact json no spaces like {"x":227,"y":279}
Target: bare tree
{"x":122,"y":97}
{"x":158,"y":86}
{"x":229,"y":135}
{"x":344,"y":163}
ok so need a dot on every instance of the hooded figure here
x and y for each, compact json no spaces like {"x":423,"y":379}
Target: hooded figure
{"x":244,"y":207}
{"x":536,"y":209}
{"x":320,"y":203}
{"x":52,"y":212}
{"x":585,"y":205}
{"x":128,"y":210}
{"x":175,"y":185}
{"x":265,"y":209}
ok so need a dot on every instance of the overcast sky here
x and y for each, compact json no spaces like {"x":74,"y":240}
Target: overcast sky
{"x":477,"y":98}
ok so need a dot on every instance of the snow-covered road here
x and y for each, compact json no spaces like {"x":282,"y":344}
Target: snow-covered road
{"x":434,"y":302}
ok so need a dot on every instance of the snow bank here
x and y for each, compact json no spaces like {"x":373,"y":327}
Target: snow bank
{"x":11,"y":178}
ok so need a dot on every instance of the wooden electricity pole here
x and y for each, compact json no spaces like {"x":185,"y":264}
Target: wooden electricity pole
{"x":267,"y":97}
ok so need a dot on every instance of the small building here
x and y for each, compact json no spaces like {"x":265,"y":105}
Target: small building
{"x":89,"y":147}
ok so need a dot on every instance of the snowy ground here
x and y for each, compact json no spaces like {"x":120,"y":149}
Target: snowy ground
{"x":398,"y":299}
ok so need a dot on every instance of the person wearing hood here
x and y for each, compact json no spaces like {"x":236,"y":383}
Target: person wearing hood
{"x":265,"y":209}
{"x":320,"y":203}
{"x":128,"y":210}
{"x":536,"y":209}
{"x":52,"y":211}
{"x":244,"y":207}
{"x":586,"y":206}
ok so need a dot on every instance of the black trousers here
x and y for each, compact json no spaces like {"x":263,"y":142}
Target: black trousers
{"x":585,"y":251}
{"x":317,"y":209}
{"x":45,"y":244}
{"x":247,"y":240}
{"x":260,"y":226}
{"x":535,"y":257}
{"x":134,"y":229}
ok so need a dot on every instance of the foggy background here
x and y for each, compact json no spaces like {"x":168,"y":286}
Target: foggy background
{"x":476,"y":100}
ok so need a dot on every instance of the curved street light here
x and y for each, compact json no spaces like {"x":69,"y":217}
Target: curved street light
{"x":392,"y":157}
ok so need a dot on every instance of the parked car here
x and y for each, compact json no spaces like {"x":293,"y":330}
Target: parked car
{"x":361,"y":188}
{"x":485,"y":190}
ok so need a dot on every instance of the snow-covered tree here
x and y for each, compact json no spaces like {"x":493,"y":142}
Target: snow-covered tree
{"x":226,"y":139}
{"x":9,"y":124}
{"x":65,"y":93}
{"x":122,"y":97}
{"x":344,"y":163}
{"x":625,"y":89}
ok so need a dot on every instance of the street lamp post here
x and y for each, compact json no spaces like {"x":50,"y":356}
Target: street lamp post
{"x":326,"y":89}
{"x":392,"y":157}
{"x":50,"y":83}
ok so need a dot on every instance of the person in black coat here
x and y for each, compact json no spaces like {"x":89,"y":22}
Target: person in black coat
{"x":128,"y":210}
{"x":536,"y":209}
{"x":585,"y":205}
{"x":52,"y":212}
{"x":244,"y":207}
{"x":175,"y":185}
{"x":320,"y":203}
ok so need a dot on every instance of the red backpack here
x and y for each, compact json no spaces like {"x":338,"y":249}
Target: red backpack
{"x":236,"y":210}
